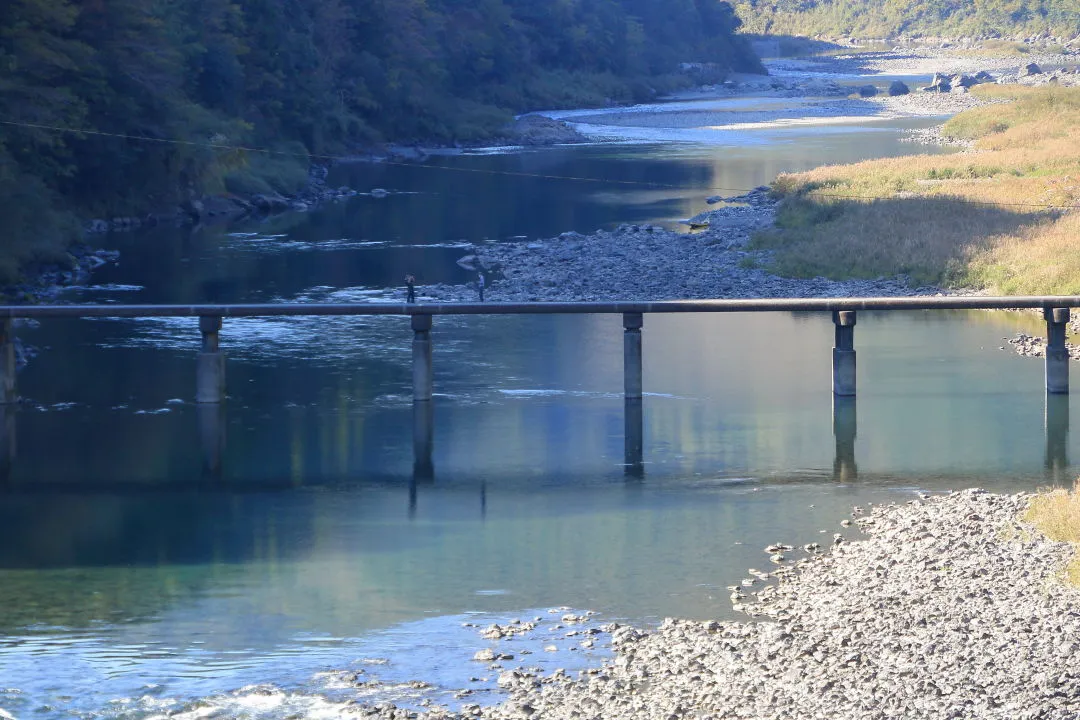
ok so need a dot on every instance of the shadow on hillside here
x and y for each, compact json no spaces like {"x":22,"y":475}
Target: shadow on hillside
{"x":769,"y":47}
{"x":832,"y":57}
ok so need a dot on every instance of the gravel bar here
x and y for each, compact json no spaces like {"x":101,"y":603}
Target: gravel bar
{"x":647,"y":262}
{"x":949,"y":607}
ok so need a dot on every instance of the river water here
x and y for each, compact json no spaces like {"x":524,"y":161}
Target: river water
{"x":160,"y":559}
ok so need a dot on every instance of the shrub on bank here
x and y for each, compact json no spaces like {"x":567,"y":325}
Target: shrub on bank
{"x":34,"y":232}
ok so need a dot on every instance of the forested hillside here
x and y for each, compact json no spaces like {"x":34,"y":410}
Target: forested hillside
{"x":317,"y":76}
{"x":890,"y":18}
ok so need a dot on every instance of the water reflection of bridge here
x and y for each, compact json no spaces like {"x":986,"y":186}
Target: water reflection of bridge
{"x":211,"y":375}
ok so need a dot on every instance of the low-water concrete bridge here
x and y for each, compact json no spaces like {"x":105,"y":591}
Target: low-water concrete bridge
{"x":210,"y":375}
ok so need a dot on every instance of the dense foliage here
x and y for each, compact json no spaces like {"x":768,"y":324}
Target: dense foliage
{"x":891,"y":18}
{"x":303,"y":76}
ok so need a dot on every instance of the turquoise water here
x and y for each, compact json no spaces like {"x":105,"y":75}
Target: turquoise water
{"x":137,"y":578}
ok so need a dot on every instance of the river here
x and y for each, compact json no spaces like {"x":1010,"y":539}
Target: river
{"x":137,"y":582}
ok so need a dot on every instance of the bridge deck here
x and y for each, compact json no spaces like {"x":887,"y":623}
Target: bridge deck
{"x":969,"y":302}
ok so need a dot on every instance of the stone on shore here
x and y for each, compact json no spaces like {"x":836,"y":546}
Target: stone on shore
{"x":898,"y":87}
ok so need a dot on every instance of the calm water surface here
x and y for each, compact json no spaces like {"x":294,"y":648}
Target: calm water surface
{"x":162,"y":558}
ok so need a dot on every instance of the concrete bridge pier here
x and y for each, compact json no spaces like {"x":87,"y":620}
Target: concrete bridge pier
{"x":1056,"y":421}
{"x":1057,"y":354}
{"x":843,"y":355}
{"x":8,"y":393}
{"x":845,"y":426}
{"x":632,"y":376}
{"x":421,"y":354}
{"x":210,"y":367}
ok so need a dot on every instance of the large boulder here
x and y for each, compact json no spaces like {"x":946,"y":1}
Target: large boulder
{"x":867,"y":91}
{"x":270,"y":202}
{"x":898,"y":87}
{"x":942,"y":81}
{"x":1032,"y":69}
{"x":542,"y":130}
{"x":966,"y":81}
{"x":984,"y":77}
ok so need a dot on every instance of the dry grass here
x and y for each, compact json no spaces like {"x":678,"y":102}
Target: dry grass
{"x":975,"y":219}
{"x":1057,"y":515}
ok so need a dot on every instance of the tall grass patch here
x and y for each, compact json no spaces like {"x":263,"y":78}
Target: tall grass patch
{"x":1057,"y":515}
{"x":995,"y":218}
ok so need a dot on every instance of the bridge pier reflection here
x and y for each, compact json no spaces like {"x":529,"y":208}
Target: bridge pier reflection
{"x":423,"y":445}
{"x":1056,"y":421}
{"x":423,"y":441}
{"x":633,"y":452}
{"x":845,"y":422}
{"x":7,"y":442}
{"x":211,"y":419}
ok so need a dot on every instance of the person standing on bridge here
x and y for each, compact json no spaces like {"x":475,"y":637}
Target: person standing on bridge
{"x":410,"y":289}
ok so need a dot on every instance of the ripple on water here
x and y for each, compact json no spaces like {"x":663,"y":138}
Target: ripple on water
{"x":413,"y":665}
{"x":331,"y":339}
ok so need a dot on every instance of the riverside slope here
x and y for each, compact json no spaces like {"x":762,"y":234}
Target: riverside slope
{"x":950,"y":608}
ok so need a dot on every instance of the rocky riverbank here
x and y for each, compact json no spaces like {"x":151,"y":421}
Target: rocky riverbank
{"x":647,"y":262}
{"x":49,"y":280}
{"x":231,"y":206}
{"x":862,"y":84}
{"x":910,"y":59}
{"x":948,"y":607}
